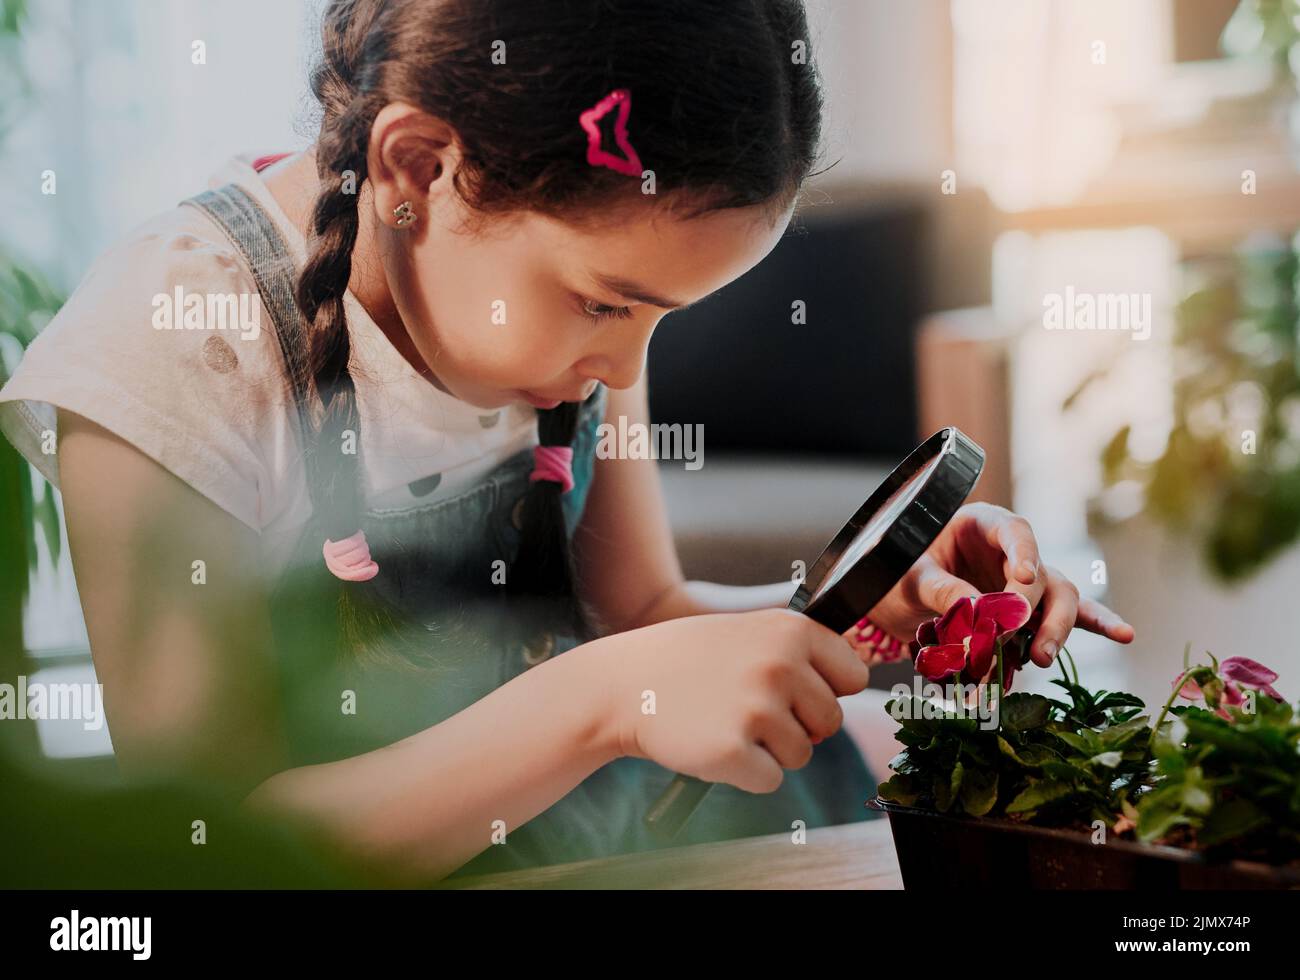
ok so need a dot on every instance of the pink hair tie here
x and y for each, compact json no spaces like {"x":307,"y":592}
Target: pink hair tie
{"x":553,"y":463}
{"x":630,"y":163}
{"x":349,"y":559}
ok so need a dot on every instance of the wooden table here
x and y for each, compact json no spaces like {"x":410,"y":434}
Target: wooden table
{"x":855,"y":855}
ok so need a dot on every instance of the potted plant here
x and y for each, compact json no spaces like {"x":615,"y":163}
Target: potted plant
{"x":1086,"y":791}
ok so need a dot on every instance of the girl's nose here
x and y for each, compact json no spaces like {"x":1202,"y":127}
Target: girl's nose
{"x":624,"y":375}
{"x":616,"y":373}
{"x":619,"y":364}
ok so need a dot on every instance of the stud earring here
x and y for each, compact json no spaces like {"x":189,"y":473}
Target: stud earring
{"x":404,"y":213}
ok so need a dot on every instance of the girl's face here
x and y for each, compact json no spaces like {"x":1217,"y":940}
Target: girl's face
{"x":537,"y":310}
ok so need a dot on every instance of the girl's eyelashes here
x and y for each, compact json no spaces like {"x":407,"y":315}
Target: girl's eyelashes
{"x":600,"y":311}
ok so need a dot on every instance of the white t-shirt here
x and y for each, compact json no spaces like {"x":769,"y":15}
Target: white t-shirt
{"x":214,"y":407}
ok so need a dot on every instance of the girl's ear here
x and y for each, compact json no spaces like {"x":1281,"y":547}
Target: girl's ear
{"x":412,"y":157}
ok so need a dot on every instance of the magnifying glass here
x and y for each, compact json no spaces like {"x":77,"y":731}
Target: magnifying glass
{"x":871,"y":553}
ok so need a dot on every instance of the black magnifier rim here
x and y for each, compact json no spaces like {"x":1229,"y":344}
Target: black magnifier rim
{"x":859,"y":589}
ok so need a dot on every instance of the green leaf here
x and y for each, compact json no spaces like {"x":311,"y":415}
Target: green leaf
{"x":1065,"y":771}
{"x":1116,"y":735}
{"x":1236,"y":818}
{"x":1006,"y":749}
{"x":1108,"y":759}
{"x":1119,"y":699}
{"x":979,"y":791}
{"x":1196,"y":799}
{"x":1037,"y":755}
{"x":1156,"y":821}
{"x":1029,"y":755}
{"x":901,"y":788}
{"x":1207,"y":727}
{"x":1022,"y":712}
{"x":943,"y":791}
{"x":1038,"y":793}
{"x":1081,"y":742}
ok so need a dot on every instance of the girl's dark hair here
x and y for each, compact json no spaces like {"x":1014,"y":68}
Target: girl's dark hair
{"x":726,"y":112}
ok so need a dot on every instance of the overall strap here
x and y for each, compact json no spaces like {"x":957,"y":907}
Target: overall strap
{"x":251,"y":231}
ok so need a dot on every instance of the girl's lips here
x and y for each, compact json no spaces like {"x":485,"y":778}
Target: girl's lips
{"x":539,"y":402}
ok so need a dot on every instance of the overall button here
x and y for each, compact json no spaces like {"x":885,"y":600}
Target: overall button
{"x":538,"y":650}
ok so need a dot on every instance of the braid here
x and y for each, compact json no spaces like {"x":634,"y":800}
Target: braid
{"x":366,"y":619}
{"x":320,"y":292}
{"x":541,"y":581}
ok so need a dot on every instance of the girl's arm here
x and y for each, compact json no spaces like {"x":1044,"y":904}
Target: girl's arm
{"x":186,"y":663}
{"x":630,"y":569}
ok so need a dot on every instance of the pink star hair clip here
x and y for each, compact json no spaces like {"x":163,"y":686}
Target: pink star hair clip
{"x":629,"y":163}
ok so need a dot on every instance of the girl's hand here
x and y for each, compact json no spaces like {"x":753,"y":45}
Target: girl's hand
{"x":986,"y":548}
{"x":729,"y":697}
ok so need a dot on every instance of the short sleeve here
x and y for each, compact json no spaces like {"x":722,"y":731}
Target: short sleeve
{"x":166,"y":344}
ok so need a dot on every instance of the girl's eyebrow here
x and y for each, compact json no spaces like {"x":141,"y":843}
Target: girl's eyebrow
{"x":641,"y":294}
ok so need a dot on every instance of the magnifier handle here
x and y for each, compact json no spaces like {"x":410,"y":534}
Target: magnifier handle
{"x":669,"y":813}
{"x":675,"y":806}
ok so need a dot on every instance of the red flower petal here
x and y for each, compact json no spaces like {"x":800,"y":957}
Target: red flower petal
{"x":1011,"y":662}
{"x":981,"y":648}
{"x":1009,"y":610}
{"x":1190,"y":690}
{"x":956,"y":624}
{"x":937,"y":662}
{"x":926,"y":634}
{"x":1246,"y":671}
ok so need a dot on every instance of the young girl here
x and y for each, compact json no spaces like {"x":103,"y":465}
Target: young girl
{"x":352,"y":557}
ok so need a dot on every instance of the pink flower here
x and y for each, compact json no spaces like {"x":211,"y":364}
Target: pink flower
{"x":1224,"y":690}
{"x":963,"y":640}
{"x":1248,"y":673}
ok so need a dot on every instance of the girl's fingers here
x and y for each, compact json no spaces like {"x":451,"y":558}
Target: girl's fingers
{"x":1012,"y":534}
{"x":786,"y":739}
{"x":1060,"y":610}
{"x":938,"y":588}
{"x":1021,"y":548}
{"x":1096,"y":618}
{"x":816,"y":707}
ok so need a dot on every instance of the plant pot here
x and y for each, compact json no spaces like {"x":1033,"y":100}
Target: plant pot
{"x":940,"y":852}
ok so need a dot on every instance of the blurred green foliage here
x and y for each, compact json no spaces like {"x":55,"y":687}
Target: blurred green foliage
{"x":1268,"y":27}
{"x":27,"y":301}
{"x":1229,"y":474}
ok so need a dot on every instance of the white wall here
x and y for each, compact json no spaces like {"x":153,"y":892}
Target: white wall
{"x":886,"y":65}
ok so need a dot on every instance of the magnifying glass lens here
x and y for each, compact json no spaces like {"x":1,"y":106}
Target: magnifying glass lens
{"x":876,"y":526}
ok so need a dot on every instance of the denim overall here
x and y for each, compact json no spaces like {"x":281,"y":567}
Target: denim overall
{"x":434,"y":559}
